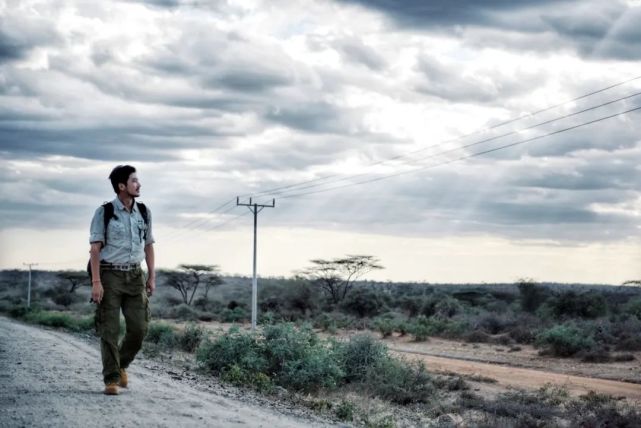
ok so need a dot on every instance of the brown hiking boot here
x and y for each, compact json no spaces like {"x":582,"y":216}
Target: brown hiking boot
{"x":111,"y":389}
{"x":124,"y":381}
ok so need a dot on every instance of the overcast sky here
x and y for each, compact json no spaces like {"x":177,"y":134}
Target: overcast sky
{"x":371,"y":117}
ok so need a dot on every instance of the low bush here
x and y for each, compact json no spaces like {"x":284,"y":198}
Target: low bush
{"x":189,"y":339}
{"x":496,"y":323}
{"x":237,"y":314}
{"x":514,"y":405}
{"x":55,"y":319}
{"x":633,"y":307}
{"x":364,"y":302}
{"x":574,"y":305}
{"x":596,"y":355}
{"x":565,"y":340}
{"x":360,"y":354}
{"x":477,"y":336}
{"x":385,"y":326}
{"x":345,"y":411}
{"x":597,"y":410}
{"x":293,"y":358}
{"x":162,"y":334}
{"x":299,"y":360}
{"x":184,"y":312}
{"x":234,"y":348}
{"x":399,"y":382}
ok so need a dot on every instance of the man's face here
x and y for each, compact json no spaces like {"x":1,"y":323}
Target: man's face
{"x":133,"y":186}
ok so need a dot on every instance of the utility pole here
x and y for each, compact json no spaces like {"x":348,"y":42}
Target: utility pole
{"x":255,"y":209}
{"x":29,"y":286}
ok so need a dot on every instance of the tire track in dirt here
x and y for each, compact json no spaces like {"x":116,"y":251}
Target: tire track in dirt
{"x":523,"y":378}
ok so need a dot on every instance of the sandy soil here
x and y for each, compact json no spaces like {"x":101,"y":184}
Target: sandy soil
{"x":49,"y":378}
{"x":523,"y":369}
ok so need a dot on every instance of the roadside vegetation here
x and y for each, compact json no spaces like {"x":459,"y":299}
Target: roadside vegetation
{"x":353,"y":377}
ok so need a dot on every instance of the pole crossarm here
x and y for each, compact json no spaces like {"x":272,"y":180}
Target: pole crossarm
{"x":255,"y":209}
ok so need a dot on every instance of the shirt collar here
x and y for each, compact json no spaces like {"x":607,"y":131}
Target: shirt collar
{"x":121,"y":207}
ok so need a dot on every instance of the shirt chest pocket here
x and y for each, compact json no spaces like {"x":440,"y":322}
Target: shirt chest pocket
{"x":115,"y":230}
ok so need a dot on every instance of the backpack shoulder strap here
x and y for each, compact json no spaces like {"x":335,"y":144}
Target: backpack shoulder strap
{"x":145,"y":216}
{"x":143,"y":211}
{"x":108,"y":214}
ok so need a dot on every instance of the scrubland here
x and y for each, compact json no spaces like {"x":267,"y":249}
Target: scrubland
{"x":337,"y":358}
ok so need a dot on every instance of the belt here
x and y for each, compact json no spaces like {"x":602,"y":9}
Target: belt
{"x":125,"y":267}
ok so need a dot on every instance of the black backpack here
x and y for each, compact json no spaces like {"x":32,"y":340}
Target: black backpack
{"x":108,"y":214}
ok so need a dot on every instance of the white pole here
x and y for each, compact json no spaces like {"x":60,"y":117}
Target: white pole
{"x":29,"y":284}
{"x":254,"y":280}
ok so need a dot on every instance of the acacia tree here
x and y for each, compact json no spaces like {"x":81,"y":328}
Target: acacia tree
{"x":336,"y":277}
{"x":189,"y":277}
{"x":74,"y":278}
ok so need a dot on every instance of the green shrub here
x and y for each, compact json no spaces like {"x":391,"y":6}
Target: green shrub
{"x":447,"y":307}
{"x":184,"y":312}
{"x":345,"y":411}
{"x":299,"y":359}
{"x":385,"y":326}
{"x":244,"y":350}
{"x":585,"y":305}
{"x":598,"y":410}
{"x":293,"y":358}
{"x":190,"y":337}
{"x":531,"y":295}
{"x":162,"y":334}
{"x":56,"y":319}
{"x":360,"y":354}
{"x":565,"y":340}
{"x":399,"y":382}
{"x":633,"y":307}
{"x":237,"y":314}
{"x":364,"y":302}
{"x":422,"y":328}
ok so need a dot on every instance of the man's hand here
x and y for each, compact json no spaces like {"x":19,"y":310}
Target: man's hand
{"x":151,"y":285}
{"x":97,"y":292}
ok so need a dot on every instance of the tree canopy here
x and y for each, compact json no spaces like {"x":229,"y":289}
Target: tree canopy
{"x":336,"y":276}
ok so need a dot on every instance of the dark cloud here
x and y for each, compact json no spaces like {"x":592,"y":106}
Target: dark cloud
{"x":248,"y":78}
{"x":592,"y":28}
{"x":425,"y":14}
{"x":139,"y":142}
{"x":10,"y":48}
{"x":18,"y":36}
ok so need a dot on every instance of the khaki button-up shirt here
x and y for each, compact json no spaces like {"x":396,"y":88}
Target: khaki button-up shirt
{"x":125,"y":234}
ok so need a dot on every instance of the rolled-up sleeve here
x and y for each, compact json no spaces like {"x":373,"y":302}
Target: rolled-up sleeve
{"x":97,"y":229}
{"x":150,"y":235}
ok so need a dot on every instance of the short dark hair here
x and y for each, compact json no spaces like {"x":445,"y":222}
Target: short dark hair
{"x":120,"y":174}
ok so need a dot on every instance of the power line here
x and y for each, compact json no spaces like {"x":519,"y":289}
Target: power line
{"x":278,"y":190}
{"x":195,"y":223}
{"x":209,"y":229}
{"x":385,"y":177}
{"x":483,"y":141}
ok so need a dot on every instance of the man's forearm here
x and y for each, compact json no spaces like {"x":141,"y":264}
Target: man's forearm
{"x":94,"y":260}
{"x":150,"y":260}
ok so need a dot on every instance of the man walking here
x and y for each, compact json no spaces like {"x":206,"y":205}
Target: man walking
{"x":120,"y":237}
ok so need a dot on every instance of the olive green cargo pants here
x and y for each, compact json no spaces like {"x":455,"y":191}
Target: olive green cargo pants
{"x":126,"y":291}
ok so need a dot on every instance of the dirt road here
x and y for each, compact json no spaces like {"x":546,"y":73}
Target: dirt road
{"x":49,"y":378}
{"x":524,"y":378}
